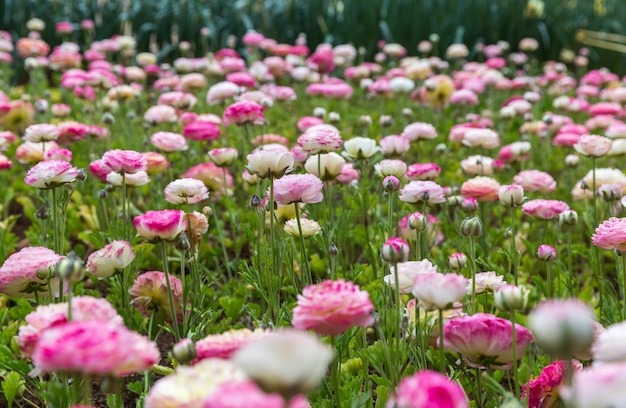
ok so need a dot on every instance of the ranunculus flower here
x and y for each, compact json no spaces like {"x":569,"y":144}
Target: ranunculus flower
{"x":422,"y":191}
{"x":593,"y":145}
{"x":124,"y":161}
{"x":544,"y":391}
{"x":359,"y":148}
{"x":535,"y":180}
{"x":511,"y":195}
{"x":169,"y":141}
{"x":600,"y":386}
{"x":131,"y":180}
{"x":486,"y":282}
{"x":485,"y":138}
{"x":428,"y":389}
{"x":483,"y":189}
{"x":332,"y":307}
{"x":610,"y":346}
{"x":422,"y":171}
{"x":201,"y":130}
{"x":50,"y":174}
{"x":395,"y":250}
{"x":611,"y":234}
{"x":485,"y":340}
{"x":149,"y":294}
{"x":320,"y":138}
{"x":221,"y":91}
{"x":439,"y":291}
{"x":419,"y":131}
{"x":26,"y":271}
{"x":243,"y":112}
{"x":544,"y":209}
{"x":298,"y":188}
{"x":164,"y":225}
{"x":111,"y":258}
{"x":394,"y":145}
{"x":42,"y":132}
{"x":270,"y":163}
{"x":247,"y":394}
{"x":309,"y":227}
{"x":93,"y":347}
{"x":186,"y":191}
{"x":224,"y":156}
{"x":407,"y":271}
{"x":224,"y":345}
{"x":391,"y":167}
{"x":330,"y":165}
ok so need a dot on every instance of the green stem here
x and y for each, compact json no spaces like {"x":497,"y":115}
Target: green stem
{"x":623,"y":284}
{"x":570,"y":265}
{"x":473,"y":271}
{"x":303,"y":254}
{"x":220,"y":237}
{"x":55,"y":228}
{"x":442,"y":367}
{"x":124,"y":209}
{"x":275,"y":265}
{"x":513,"y":248}
{"x":390,"y":216}
{"x":335,"y":374}
{"x":186,"y":289}
{"x":514,"y":345}
{"x":170,"y":296}
{"x":549,"y":278}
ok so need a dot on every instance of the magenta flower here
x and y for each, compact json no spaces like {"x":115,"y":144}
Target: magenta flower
{"x":149,"y":294}
{"x":51,"y":174}
{"x":428,"y":389}
{"x":186,"y":191}
{"x":224,"y":345}
{"x":111,"y":258}
{"x":395,"y":250}
{"x":332,"y":307}
{"x":546,"y":252}
{"x":169,"y":141}
{"x":27,"y":271}
{"x":270,"y":163}
{"x":243,"y":112}
{"x":248,"y":394}
{"x":543,"y":392}
{"x":296,"y":188}
{"x":544,"y":209}
{"x":611,"y":234}
{"x":423,"y":171}
{"x":422,"y":191}
{"x":54,"y":314}
{"x":201,"y":130}
{"x":439,"y":291}
{"x":94,"y":347}
{"x":485,"y":340}
{"x":164,"y":225}
{"x":124,"y":161}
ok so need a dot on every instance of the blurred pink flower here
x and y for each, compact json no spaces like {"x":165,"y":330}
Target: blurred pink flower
{"x":298,"y":188}
{"x":406,"y":272}
{"x":419,"y":131}
{"x":306,"y":122}
{"x":224,"y":345}
{"x":483,"y":189}
{"x":243,"y":112}
{"x":422,"y":171}
{"x":598,"y":386}
{"x":438,"y":290}
{"x":543,"y":392}
{"x":544,"y":209}
{"x":247,"y":394}
{"x":593,"y":145}
{"x":320,"y":139}
{"x":484,"y":138}
{"x":394,"y":145}
{"x":422,"y":191}
{"x":486,"y":282}
{"x":164,"y":225}
{"x":169,"y":141}
{"x":149,"y":294}
{"x":156,"y":163}
{"x":124,"y":161}
{"x":160,"y":114}
{"x":41,"y":132}
{"x":535,"y":180}
{"x":611,"y":234}
{"x":332,"y":307}
{"x":428,"y":389}
{"x":27,"y":271}
{"x":93,"y":347}
{"x":200,"y":130}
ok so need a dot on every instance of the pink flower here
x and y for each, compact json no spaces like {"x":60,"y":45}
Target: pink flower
{"x":93,"y":347}
{"x":224,"y":345}
{"x":339,"y":90}
{"x":42,"y":132}
{"x":544,"y":209}
{"x":164,"y":225}
{"x":26,"y":271}
{"x":407,"y":271}
{"x":224,"y":156}
{"x":593,"y":145}
{"x":395,"y":250}
{"x":543,"y":392}
{"x":394,"y":145}
{"x":485,"y":138}
{"x":464,"y":97}
{"x":535,"y":180}
{"x":270,"y":163}
{"x":438,"y":291}
{"x":169,"y":142}
{"x":131,"y":180}
{"x":546,"y":253}
{"x":111,"y":258}
{"x":306,"y":122}
{"x":149,"y":294}
{"x":186,"y":191}
{"x":160,"y":114}
{"x":486,"y":282}
{"x":51,"y":174}
{"x":419,"y":131}
{"x":478,"y":165}
{"x":611,"y":234}
{"x":428,"y":389}
{"x":511,"y":196}
{"x":54,"y":314}
{"x":348,"y":173}
{"x":332,"y":307}
{"x":57,"y":153}
{"x":124,"y":161}
{"x":422,"y":191}
{"x":483,"y":189}
{"x":201,"y":130}
{"x":156,"y":163}
{"x":298,"y":188}
{"x":423,"y":171}
{"x":598,"y":386}
{"x":248,"y":394}
{"x":485,"y":340}
{"x":243,"y":112}
{"x":320,"y":138}
{"x":390,"y":167}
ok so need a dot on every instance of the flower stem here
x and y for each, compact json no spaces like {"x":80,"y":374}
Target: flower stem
{"x":303,"y":254}
{"x":624,"y":284}
{"x":170,"y":296}
{"x":442,"y":367}
{"x":335,"y":374}
{"x":220,"y":237}
{"x":570,"y":265}
{"x":513,"y":248}
{"x":472,"y":258}
{"x":549,"y":278}
{"x":514,"y":349}
{"x":55,"y":222}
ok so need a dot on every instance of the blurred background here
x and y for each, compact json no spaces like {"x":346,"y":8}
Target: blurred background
{"x":160,"y":25}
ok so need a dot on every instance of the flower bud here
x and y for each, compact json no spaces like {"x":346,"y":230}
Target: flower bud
{"x":82,"y":175}
{"x":255,"y":201}
{"x":385,"y":121}
{"x":42,"y":213}
{"x":571,"y":160}
{"x":395,"y":250}
{"x":107,"y":118}
{"x":184,"y":351}
{"x":454,"y":201}
{"x":207,"y":211}
{"x":510,"y":297}
{"x":546,"y":253}
{"x":70,"y":268}
{"x":568,"y":218}
{"x":511,"y":195}
{"x":182,"y":243}
{"x":418,"y":221}
{"x":319,"y":112}
{"x":365,"y":120}
{"x":391,"y":183}
{"x":441,"y":148}
{"x":407,"y":112}
{"x":469,"y":205}
{"x":333,"y":117}
{"x":333,"y":250}
{"x":472,"y":227}
{"x":457,"y":260}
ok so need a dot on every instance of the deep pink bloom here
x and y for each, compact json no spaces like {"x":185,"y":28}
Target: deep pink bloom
{"x":332,"y":307}
{"x":483,"y":189}
{"x":306,"y":122}
{"x":224,"y":345}
{"x":543,"y":391}
{"x":247,"y":394}
{"x":26,"y":271}
{"x":485,"y":340}
{"x":54,"y":314}
{"x":201,"y":130}
{"x":243,"y":112}
{"x":51,"y":174}
{"x":423,"y":171}
{"x":611,"y":234}
{"x":546,"y":252}
{"x":428,"y":389}
{"x":124,"y":161}
{"x":164,"y":225}
{"x":298,"y":188}
{"x":544,"y":209}
{"x":94,"y":347}
{"x":149,"y":294}
{"x":535,"y":180}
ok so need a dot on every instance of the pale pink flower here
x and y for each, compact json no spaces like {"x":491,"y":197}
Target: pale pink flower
{"x":160,"y":114}
{"x":611,"y":234}
{"x":406,"y":272}
{"x":248,"y":394}
{"x":124,"y":161}
{"x":198,"y":226}
{"x":57,"y":153}
{"x":149,"y":294}
{"x":391,"y":167}
{"x":270,"y":139}
{"x":7,"y":138}
{"x":201,"y":130}
{"x":546,"y":253}
{"x":593,"y":145}
{"x":511,"y":195}
{"x":111,"y":258}
{"x":544,"y":391}
{"x":270,"y":162}
{"x":478,"y":166}
{"x":608,"y":347}
{"x":55,"y":314}
{"x":423,"y":171}
{"x":601,"y":386}
{"x":422,"y":191}
{"x":169,"y":141}
{"x":428,"y":389}
{"x":243,"y":112}
{"x":27,"y":271}
{"x":348,"y":174}
{"x":464,"y":97}
{"x":535,"y":181}
{"x":213,"y":176}
{"x":42,"y":132}
{"x":332,"y":307}
{"x":486,"y":282}
{"x":320,"y":138}
{"x":224,"y":156}
{"x":485,"y":340}
{"x":306,"y":122}
{"x":485,"y":138}
{"x":99,"y":170}
{"x":51,"y":174}
{"x":544,"y":209}
{"x":294,"y":188}
{"x":224,"y":345}
{"x":439,"y":291}
{"x":331,"y":165}
{"x":419,"y":131}
{"x":395,"y":250}
{"x":164,"y":225}
{"x":186,"y":191}
{"x":94,"y":347}
{"x":483,"y":189}
{"x":178,"y":100}
{"x":394,"y":145}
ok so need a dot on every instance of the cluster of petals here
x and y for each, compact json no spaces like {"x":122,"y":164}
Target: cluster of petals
{"x":224,"y":345}
{"x":406,"y":272}
{"x":50,"y":174}
{"x":320,"y":138}
{"x":164,"y":225}
{"x":422,"y":191}
{"x":169,"y":141}
{"x":111,"y":258}
{"x":186,"y":191}
{"x":535,"y":180}
{"x":243,"y":112}
{"x":295,"y":188}
{"x":611,"y":234}
{"x":428,"y":389}
{"x":544,"y":209}
{"x":27,"y":271}
{"x":438,"y":291}
{"x":483,"y":189}
{"x":149,"y":294}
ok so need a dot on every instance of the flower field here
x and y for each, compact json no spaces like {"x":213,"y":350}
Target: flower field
{"x":289,"y":225}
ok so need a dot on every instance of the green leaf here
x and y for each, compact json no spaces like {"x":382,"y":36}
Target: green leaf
{"x":232,"y":306}
{"x":135,"y":387}
{"x":11,"y":386}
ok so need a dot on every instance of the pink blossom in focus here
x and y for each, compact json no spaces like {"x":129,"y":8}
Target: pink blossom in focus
{"x":124,"y":161}
{"x":51,"y":174}
{"x":109,"y":259}
{"x":164,"y":225}
{"x":149,"y":294}
{"x":483,"y":189}
{"x":439,"y":291}
{"x":169,"y":141}
{"x":611,"y":234}
{"x":295,"y":188}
